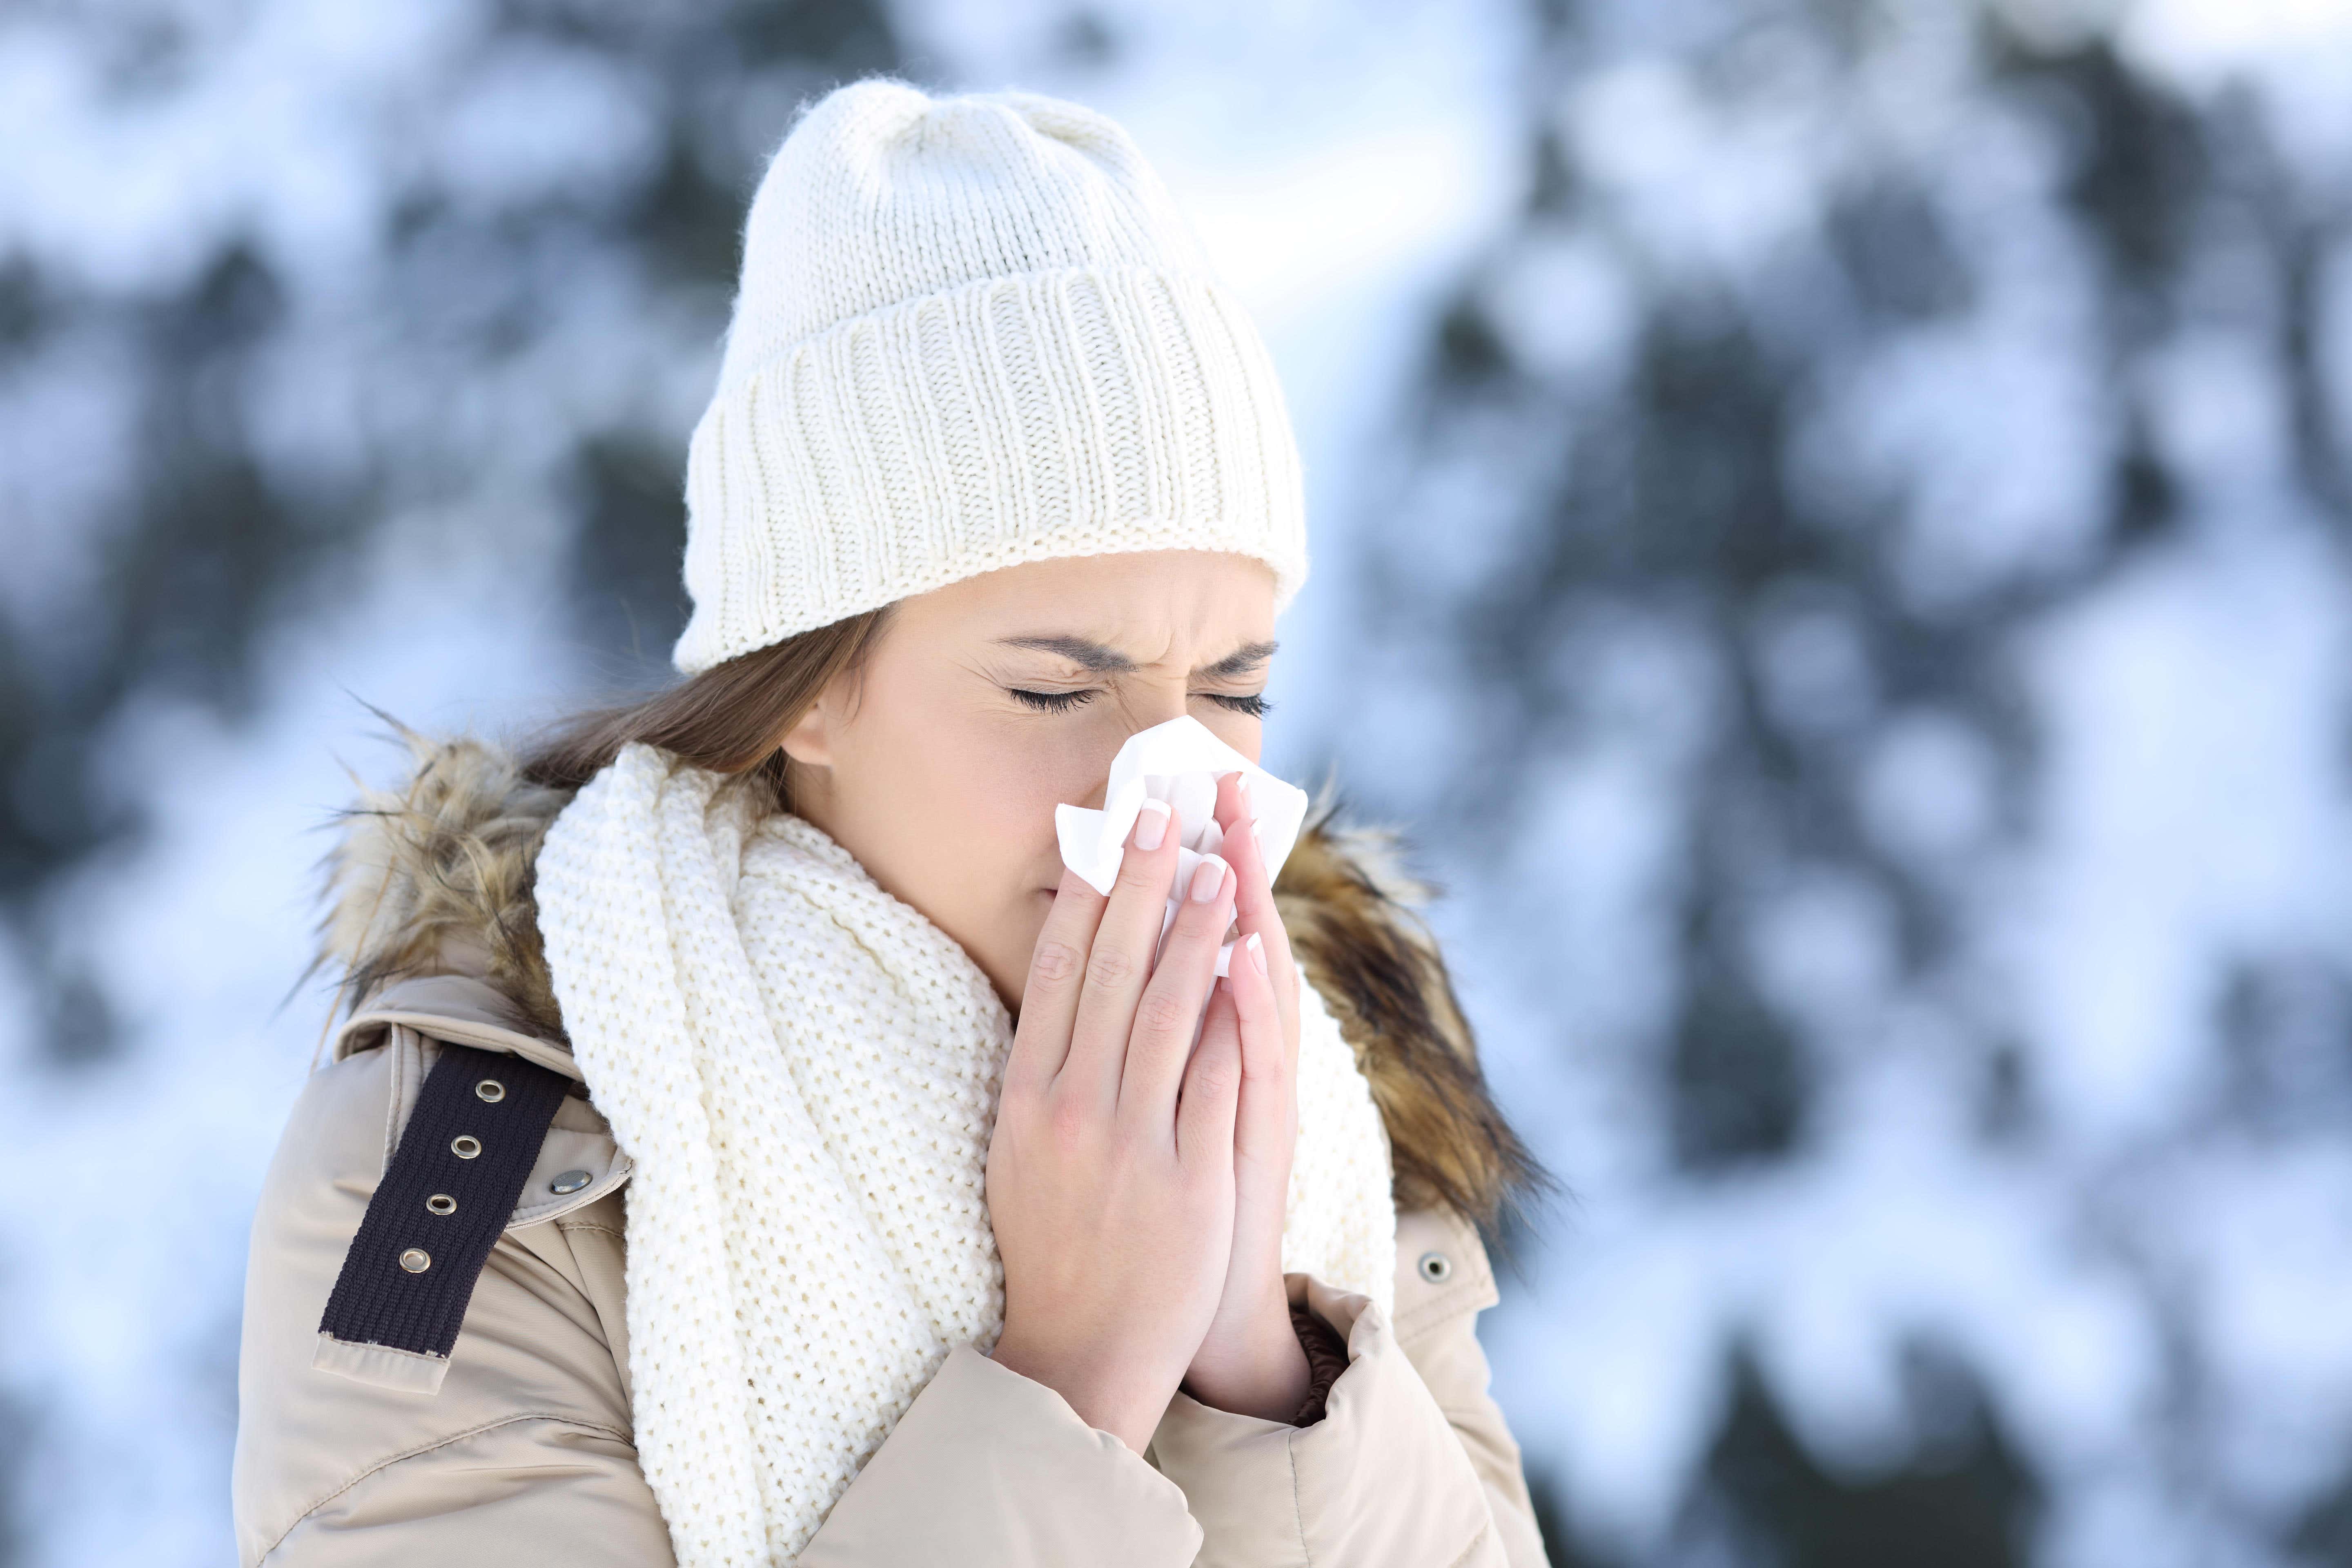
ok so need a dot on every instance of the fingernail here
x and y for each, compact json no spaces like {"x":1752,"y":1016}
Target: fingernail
{"x":1151,"y":824}
{"x":1208,"y":879}
{"x":1240,"y":787}
{"x":1256,"y":945}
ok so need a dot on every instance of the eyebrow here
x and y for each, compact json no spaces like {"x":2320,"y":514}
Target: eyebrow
{"x":1100,"y":659}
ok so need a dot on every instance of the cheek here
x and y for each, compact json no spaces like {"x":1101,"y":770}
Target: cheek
{"x":996,"y":783}
{"x":985,"y":860}
{"x":965,"y":805}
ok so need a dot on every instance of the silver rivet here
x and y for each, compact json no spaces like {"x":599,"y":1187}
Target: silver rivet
{"x":416,"y":1260}
{"x":1435,"y":1268}
{"x":441,"y":1202}
{"x":570,"y":1181}
{"x":490,"y":1090}
{"x":464,"y":1145}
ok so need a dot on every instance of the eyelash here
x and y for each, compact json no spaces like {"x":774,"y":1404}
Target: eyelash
{"x":1254,"y":705}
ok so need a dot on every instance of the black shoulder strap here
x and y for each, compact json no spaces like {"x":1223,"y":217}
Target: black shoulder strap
{"x":445,"y":1196}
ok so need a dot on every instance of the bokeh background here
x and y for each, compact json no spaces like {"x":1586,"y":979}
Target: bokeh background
{"x":1831,"y":524}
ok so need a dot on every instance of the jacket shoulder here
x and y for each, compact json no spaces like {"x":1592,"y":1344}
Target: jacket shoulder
{"x":407,"y":1027}
{"x":537,"y":1357}
{"x":455,"y":1129}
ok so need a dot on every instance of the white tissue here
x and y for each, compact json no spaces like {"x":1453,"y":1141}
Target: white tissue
{"x":1179,"y":762}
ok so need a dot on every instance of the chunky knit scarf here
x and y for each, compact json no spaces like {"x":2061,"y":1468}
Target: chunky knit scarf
{"x":805,"y":1070}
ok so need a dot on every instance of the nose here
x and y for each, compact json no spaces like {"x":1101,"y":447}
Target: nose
{"x":1142,"y":710}
{"x":1154,"y":704}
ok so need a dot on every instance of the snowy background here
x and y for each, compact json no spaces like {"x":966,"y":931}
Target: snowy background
{"x":1849,"y":497}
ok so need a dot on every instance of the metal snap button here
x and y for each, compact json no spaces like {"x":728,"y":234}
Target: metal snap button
{"x":441,"y":1202}
{"x":416,"y":1260}
{"x":464,"y":1145}
{"x":570,"y":1181}
{"x":490,"y":1090}
{"x":1435,"y":1268}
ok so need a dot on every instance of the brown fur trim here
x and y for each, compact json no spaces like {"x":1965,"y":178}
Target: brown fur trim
{"x":441,"y":868}
{"x":439,"y":876}
{"x":1350,"y":908}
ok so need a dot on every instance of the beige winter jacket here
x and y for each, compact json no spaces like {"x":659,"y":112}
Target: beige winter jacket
{"x":518,"y":1450}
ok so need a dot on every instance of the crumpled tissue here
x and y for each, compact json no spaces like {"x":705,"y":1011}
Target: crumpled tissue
{"x":1179,"y":762}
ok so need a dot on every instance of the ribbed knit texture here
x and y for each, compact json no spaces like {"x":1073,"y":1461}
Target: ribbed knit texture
{"x":970,"y":331}
{"x":805,"y":1070}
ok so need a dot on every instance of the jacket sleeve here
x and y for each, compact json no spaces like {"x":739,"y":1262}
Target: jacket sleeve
{"x":991,"y":1470}
{"x":1411,"y":1463}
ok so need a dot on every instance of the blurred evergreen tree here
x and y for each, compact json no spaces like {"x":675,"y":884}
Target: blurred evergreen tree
{"x":1658,"y":483}
{"x":210,"y":540}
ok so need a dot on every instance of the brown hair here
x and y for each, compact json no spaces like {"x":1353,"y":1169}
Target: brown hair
{"x":730,"y":718}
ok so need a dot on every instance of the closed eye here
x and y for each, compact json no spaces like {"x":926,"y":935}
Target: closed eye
{"x":1051,"y":702}
{"x":1253,"y":704}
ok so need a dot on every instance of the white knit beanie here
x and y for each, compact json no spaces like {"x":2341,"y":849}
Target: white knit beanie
{"x":972,"y":330}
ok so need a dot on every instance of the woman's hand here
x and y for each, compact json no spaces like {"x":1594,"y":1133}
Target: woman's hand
{"x":1112,"y":1169}
{"x":1250,"y":1361}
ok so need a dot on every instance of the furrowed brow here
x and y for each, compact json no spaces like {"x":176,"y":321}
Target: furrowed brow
{"x":1099,"y":659}
{"x":1243,"y":660}
{"x":1082,"y":651}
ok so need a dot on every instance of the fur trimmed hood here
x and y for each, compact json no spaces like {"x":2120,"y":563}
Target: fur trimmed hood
{"x":437,"y":877}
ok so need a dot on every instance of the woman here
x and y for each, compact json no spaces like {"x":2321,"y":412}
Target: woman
{"x":968,"y":1220}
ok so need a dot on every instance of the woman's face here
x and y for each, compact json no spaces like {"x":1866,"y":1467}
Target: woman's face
{"x":986,"y":703}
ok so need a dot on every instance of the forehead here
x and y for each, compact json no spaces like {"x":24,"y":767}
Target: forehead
{"x":1146,"y":605}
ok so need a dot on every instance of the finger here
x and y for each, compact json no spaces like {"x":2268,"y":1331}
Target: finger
{"x":1170,"y":1009}
{"x":1049,"y":997}
{"x":1119,"y":961}
{"x":1266,"y":1124}
{"x":1213,"y":1081}
{"x":1253,"y":907}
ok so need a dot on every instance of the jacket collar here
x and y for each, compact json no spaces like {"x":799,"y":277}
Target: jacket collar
{"x":427,"y":917}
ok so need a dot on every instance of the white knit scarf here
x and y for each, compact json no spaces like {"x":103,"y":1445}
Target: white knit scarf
{"x":805,"y":1070}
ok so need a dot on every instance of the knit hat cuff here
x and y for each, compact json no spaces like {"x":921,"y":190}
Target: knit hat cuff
{"x":1081,"y":411}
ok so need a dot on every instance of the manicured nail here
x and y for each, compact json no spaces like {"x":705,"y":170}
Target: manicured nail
{"x":1256,"y":945}
{"x":1207,"y":878}
{"x":1151,"y":824}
